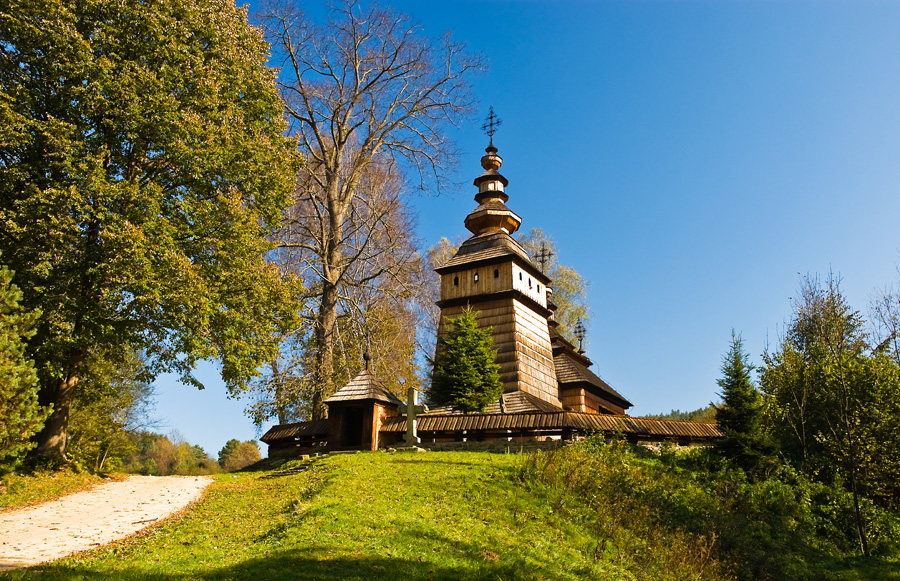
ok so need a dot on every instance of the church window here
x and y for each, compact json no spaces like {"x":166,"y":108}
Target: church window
{"x":529,"y":282}
{"x":539,"y":288}
{"x":455,"y":281}
{"x":476,"y":277}
{"x":520,"y":276}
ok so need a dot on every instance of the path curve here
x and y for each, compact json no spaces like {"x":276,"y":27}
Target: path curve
{"x":95,"y":517}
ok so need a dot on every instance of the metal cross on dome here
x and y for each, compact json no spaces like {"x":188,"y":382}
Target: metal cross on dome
{"x":491,"y":123}
{"x":580,"y":333}
{"x":544,"y":256}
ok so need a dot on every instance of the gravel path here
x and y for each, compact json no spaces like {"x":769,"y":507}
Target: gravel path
{"x":86,"y":520}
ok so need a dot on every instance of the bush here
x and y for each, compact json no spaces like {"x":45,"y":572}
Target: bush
{"x":678,"y":513}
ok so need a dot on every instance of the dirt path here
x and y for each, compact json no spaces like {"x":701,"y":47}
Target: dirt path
{"x":86,"y":520}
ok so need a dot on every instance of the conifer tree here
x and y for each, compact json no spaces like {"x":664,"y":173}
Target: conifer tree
{"x":465,"y":376}
{"x":741,"y":414}
{"x":20,"y":415}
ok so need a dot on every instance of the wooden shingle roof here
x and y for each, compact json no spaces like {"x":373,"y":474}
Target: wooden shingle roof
{"x":493,"y":247}
{"x":514,"y":402}
{"x":296,"y":430}
{"x":641,"y":427}
{"x":456,"y":423}
{"x":364,"y":387}
{"x":569,"y":371}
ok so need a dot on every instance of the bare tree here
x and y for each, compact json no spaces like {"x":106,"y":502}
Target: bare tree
{"x":378,"y":299}
{"x":367,"y":88}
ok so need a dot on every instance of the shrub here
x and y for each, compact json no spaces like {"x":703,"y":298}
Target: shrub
{"x":678,"y":513}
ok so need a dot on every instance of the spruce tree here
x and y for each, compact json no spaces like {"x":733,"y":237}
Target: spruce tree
{"x":20,"y":415}
{"x":465,"y":376}
{"x":741,"y":414}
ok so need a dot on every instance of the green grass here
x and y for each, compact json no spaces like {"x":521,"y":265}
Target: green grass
{"x":18,"y":491}
{"x":857,"y":569}
{"x":439,"y":515}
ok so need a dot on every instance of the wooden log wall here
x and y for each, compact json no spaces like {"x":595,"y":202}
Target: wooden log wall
{"x":522,"y":340}
{"x":492,"y":279}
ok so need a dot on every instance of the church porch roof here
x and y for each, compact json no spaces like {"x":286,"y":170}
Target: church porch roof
{"x":364,"y":387}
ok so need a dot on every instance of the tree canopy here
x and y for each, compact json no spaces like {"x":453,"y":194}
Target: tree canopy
{"x":236,"y":455}
{"x":833,"y":399}
{"x":465,"y":376}
{"x":142,"y":165}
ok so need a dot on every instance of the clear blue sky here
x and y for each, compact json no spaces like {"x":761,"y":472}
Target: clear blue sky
{"x":690,"y":159}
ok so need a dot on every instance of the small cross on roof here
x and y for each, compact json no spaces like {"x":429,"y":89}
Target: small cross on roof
{"x":491,"y":123}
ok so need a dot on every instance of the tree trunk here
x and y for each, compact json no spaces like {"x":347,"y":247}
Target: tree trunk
{"x":324,"y":375}
{"x":860,"y":523}
{"x":51,"y":441}
{"x":280,"y":395}
{"x":325,"y":322}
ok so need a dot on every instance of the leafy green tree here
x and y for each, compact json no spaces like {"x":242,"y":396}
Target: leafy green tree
{"x":160,"y":455}
{"x":142,"y":166}
{"x":227,"y":450}
{"x":20,"y":415}
{"x":465,"y":376}
{"x":740,"y":416}
{"x":832,"y":399}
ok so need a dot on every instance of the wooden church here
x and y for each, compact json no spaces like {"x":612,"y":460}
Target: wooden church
{"x":549,"y":389}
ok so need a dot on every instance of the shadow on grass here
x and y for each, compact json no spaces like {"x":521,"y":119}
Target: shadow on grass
{"x":443,"y":559}
{"x":856,"y":569}
{"x":312,"y":565}
{"x":440,"y":558}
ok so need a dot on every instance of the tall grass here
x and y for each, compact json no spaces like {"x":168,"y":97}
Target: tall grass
{"x":682,"y":515}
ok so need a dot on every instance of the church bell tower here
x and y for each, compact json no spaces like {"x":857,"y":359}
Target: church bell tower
{"x":493,"y":274}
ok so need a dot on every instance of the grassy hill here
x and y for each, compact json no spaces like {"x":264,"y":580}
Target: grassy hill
{"x":588,"y":511}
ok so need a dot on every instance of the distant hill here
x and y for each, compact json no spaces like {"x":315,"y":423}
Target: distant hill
{"x":707,"y":414}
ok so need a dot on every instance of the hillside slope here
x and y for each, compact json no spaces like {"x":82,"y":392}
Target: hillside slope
{"x":437,"y":515}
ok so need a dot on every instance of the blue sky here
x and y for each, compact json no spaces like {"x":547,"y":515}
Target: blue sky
{"x":691,"y":160}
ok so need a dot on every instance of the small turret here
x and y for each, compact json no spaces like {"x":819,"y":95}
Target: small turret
{"x":492,"y":215}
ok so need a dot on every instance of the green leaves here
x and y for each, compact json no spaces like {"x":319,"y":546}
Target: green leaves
{"x":465,"y":376}
{"x":142,"y":168}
